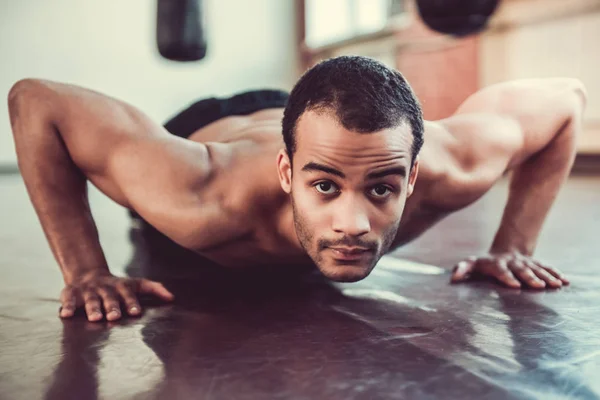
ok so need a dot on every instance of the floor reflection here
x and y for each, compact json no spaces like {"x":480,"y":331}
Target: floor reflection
{"x":283,"y":333}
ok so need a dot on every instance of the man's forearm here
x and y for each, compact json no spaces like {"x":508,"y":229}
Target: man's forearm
{"x":56,"y":186}
{"x":533,"y":188}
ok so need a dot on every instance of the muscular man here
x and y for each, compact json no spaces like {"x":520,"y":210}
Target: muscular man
{"x":349,"y":179}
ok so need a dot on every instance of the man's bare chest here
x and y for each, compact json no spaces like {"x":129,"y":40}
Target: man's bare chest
{"x":246,"y":178}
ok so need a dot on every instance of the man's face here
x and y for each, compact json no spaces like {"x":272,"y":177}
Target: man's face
{"x":348,"y":192}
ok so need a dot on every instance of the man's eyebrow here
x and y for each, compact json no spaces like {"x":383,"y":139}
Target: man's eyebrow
{"x":313,"y":166}
{"x":399,"y":170}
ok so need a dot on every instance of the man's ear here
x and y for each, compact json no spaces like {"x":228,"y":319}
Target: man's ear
{"x":284,"y":169}
{"x":412,"y":178}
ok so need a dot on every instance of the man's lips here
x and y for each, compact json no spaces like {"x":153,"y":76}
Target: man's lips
{"x":349,"y":253}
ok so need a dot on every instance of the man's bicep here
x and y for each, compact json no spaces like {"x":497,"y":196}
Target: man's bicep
{"x":163,"y":179}
{"x":94,"y":125}
{"x":120,"y":149}
{"x":525,"y":99}
{"x":478,"y":150}
{"x":172,"y":185}
{"x":484,"y":145}
{"x":539,"y":106}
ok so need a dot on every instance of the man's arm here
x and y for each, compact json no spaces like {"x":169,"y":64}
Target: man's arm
{"x":65,"y":136}
{"x":547,"y":114}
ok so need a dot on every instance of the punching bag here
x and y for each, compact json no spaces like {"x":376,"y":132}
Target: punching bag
{"x":180,"y":30}
{"x":456,"y":17}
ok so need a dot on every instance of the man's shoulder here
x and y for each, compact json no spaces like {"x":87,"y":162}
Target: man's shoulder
{"x":246,"y":182}
{"x":476,"y":137}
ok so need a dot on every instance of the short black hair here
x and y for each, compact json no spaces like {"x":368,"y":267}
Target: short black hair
{"x":365,"y":95}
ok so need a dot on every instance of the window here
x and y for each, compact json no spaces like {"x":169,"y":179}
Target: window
{"x":330,"y":21}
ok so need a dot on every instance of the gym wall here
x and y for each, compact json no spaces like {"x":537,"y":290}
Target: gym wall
{"x":523,"y":39}
{"x":109,"y":46}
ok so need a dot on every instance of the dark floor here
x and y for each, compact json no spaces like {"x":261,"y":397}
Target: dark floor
{"x":402,"y":333}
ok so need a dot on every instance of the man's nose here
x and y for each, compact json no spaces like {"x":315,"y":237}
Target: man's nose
{"x":351,"y":219}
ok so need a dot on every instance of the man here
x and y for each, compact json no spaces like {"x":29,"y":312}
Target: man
{"x":338,"y":191}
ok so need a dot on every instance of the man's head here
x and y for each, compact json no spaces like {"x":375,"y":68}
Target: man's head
{"x":352,"y":130}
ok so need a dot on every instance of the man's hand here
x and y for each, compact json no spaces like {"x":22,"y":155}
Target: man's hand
{"x":510,"y":268}
{"x":102,"y":290}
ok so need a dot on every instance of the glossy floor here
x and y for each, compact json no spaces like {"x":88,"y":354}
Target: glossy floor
{"x":402,"y":333}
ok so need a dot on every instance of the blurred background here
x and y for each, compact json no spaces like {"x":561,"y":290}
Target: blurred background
{"x":111,"y":46}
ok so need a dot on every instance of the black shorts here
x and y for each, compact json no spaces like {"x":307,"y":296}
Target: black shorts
{"x":206,"y":111}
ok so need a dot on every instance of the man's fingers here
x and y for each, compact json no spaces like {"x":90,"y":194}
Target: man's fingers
{"x":500,"y":271}
{"x":546,"y":277}
{"x":92,"y":305}
{"x":555,"y":273}
{"x":68,"y":302}
{"x":131,"y":304}
{"x":150,"y":287}
{"x":107,"y":294}
{"x":463,"y":270}
{"x":110,"y":303}
{"x":526,"y":275}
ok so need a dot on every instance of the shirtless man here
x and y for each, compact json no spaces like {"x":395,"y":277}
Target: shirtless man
{"x":219,"y":179}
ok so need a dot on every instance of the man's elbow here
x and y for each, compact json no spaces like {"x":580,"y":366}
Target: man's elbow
{"x":23,"y":97}
{"x":19,"y":92}
{"x":578,"y":89}
{"x":573,"y":124}
{"x":573,"y":107}
{"x":569,"y":95}
{"x":22,"y":88}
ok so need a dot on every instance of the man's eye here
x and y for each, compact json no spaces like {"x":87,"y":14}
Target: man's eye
{"x":326,"y":188}
{"x":381,"y":191}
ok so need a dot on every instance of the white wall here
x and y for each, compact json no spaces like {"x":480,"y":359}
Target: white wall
{"x":109,"y":46}
{"x":558,"y":47}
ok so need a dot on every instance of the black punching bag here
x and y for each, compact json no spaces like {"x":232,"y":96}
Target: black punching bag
{"x":180,"y":30}
{"x":456,"y":17}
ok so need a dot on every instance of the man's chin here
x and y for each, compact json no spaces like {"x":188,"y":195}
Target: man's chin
{"x":345,"y":273}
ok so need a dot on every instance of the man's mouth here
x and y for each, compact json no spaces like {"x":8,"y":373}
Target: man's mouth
{"x":349,"y":253}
